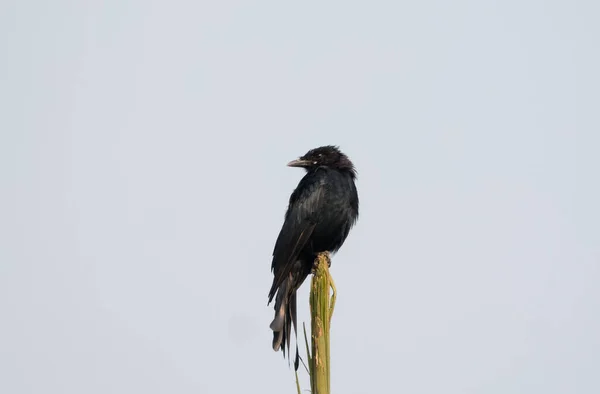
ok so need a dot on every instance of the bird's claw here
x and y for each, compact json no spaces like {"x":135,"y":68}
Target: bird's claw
{"x":327,"y":256}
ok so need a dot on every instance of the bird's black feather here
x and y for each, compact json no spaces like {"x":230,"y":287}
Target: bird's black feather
{"x":321,"y":212}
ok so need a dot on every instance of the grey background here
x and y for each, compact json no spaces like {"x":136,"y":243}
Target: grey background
{"x":143,"y":183}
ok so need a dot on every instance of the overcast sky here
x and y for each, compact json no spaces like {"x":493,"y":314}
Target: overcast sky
{"x":143,"y":183}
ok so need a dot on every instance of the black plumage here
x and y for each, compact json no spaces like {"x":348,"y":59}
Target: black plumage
{"x":321,"y":211}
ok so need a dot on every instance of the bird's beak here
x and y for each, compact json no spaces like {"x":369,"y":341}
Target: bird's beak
{"x":299,"y":163}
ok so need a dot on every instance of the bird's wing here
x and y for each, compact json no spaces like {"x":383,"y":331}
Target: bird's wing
{"x":300,"y":221}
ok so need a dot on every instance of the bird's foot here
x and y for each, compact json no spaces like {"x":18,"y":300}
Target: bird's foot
{"x":326,"y":255}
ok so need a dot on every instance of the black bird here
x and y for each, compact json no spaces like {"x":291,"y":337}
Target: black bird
{"x":320,"y":214}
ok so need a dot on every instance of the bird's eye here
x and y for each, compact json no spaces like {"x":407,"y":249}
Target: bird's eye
{"x":320,"y":155}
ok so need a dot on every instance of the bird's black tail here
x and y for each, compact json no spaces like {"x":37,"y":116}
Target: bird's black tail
{"x":285,"y":315}
{"x":285,"y":310}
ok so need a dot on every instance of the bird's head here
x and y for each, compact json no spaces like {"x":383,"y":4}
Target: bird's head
{"x":324,"y":156}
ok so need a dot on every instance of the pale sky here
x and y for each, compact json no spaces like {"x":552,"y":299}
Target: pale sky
{"x":143,"y":184}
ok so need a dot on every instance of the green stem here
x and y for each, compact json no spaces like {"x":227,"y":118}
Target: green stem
{"x":297,"y":383}
{"x":321,"y":307}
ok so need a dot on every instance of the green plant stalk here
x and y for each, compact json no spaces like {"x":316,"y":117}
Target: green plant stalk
{"x":321,"y":310}
{"x":297,"y":383}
